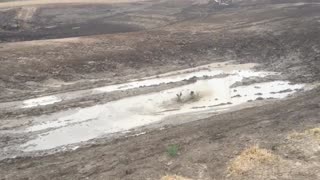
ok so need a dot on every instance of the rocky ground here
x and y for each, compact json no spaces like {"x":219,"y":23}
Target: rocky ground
{"x":61,"y":48}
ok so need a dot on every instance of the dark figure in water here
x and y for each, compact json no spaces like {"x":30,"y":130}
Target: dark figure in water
{"x":179,"y":96}
{"x":192,"y":94}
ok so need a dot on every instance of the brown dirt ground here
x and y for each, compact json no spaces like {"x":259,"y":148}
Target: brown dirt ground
{"x":20,"y":3}
{"x":279,"y":35}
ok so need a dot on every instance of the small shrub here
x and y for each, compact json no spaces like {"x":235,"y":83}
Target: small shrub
{"x":172,"y":150}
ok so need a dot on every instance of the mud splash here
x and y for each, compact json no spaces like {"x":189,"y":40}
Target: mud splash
{"x":210,"y":94}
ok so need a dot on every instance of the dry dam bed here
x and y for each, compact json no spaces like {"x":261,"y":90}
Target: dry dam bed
{"x":159,"y":89}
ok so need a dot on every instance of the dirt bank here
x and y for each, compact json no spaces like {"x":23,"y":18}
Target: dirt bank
{"x":138,"y":40}
{"x":258,"y":36}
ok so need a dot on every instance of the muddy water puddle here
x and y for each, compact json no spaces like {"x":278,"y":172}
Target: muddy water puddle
{"x":176,"y":76}
{"x":209,"y":70}
{"x":42,"y":101}
{"x":210,"y":94}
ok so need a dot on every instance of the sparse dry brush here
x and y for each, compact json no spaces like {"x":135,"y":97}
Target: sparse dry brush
{"x":258,"y":163}
{"x":174,"y":177}
{"x":251,"y":158}
{"x":305,"y":143}
{"x":313,"y":133}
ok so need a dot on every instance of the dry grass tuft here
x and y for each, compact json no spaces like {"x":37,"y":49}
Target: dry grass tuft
{"x":174,"y":177}
{"x":306,"y":143}
{"x":249,"y":159}
{"x":314,"y":133}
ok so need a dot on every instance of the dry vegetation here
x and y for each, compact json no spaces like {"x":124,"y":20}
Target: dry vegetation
{"x":250,"y":158}
{"x":309,"y":133}
{"x":174,"y":177}
{"x":257,"y":163}
{"x":305,"y":144}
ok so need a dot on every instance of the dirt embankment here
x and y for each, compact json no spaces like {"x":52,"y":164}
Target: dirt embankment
{"x":256,"y":36}
{"x":19,"y":3}
{"x":281,"y":36}
{"x":58,"y":20}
